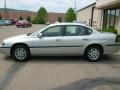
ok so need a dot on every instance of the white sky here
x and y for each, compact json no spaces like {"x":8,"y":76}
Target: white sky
{"x":50,"y":5}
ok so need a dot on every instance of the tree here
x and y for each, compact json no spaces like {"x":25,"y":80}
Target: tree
{"x":70,"y":15}
{"x":59,"y":19}
{"x":28,"y":18}
{"x":21,"y":17}
{"x":41,"y":17}
{"x":0,"y":17}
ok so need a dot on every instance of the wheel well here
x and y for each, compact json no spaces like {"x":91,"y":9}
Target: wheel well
{"x":18,"y":44}
{"x":98,"y":45}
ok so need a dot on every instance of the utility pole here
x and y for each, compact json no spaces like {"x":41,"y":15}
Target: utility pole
{"x":6,"y":12}
{"x":75,"y":7}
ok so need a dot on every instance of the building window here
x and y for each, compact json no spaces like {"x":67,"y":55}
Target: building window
{"x":111,"y":18}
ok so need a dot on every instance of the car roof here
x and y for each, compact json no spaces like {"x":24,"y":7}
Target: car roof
{"x":67,"y":24}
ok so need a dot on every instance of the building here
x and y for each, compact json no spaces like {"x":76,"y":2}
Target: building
{"x":111,"y":13}
{"x":90,"y":16}
{"x":101,"y":14}
{"x":13,"y":13}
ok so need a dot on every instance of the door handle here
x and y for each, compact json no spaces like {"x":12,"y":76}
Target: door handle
{"x":58,"y":40}
{"x":85,"y":39}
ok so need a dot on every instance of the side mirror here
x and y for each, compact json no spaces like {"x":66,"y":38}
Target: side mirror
{"x":39,"y":35}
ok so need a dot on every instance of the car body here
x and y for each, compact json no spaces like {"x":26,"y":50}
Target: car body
{"x":61,"y":39}
{"x":1,"y":23}
{"x":13,"y":21}
{"x":5,"y":22}
{"x":23,"y":23}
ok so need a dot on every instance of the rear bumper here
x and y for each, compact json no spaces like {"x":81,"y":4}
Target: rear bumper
{"x":112,"y":48}
{"x":5,"y":50}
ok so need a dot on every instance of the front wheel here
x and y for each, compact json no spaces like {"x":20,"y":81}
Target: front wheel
{"x":93,"y":53}
{"x":20,"y":53}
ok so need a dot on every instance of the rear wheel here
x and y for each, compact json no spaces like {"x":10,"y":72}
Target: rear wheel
{"x":93,"y":53}
{"x":20,"y":53}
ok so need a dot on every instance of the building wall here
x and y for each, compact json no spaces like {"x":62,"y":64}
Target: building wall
{"x":97,"y":18}
{"x":107,"y":3}
{"x":52,"y":17}
{"x":84,"y":16}
{"x":16,"y":15}
{"x":117,"y":25}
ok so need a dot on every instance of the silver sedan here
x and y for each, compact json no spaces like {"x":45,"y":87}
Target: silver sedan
{"x":61,"y":39}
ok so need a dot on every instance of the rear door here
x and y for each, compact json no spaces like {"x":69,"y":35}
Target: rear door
{"x":74,"y":39}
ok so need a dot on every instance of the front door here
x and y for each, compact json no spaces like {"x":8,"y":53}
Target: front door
{"x":50,"y":43}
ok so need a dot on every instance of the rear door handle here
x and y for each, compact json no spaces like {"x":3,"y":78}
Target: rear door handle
{"x":85,"y":39}
{"x":58,"y":40}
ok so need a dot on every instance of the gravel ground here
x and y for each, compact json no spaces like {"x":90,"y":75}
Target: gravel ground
{"x":57,"y":73}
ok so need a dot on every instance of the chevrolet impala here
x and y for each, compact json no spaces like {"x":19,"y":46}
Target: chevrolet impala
{"x":61,"y":39}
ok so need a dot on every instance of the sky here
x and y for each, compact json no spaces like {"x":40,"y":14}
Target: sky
{"x":51,"y":5}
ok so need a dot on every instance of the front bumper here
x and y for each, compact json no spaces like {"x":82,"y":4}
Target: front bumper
{"x":4,"y":50}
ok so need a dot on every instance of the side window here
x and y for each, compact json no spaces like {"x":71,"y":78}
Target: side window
{"x":77,"y":31}
{"x":72,"y":30}
{"x":52,"y":31}
{"x":84,"y":30}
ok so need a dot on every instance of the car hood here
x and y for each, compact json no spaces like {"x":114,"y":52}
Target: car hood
{"x":16,"y":38}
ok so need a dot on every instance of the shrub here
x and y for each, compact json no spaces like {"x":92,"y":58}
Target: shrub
{"x":28,"y":18}
{"x":112,"y":30}
{"x":20,"y":17}
{"x":118,"y":38}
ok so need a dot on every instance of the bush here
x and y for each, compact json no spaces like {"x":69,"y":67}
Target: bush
{"x":20,"y":17}
{"x":28,"y":18}
{"x":112,"y":30}
{"x":118,"y":38}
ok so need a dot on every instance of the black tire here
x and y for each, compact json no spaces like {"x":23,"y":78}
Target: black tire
{"x":90,"y":56}
{"x":22,"y":55}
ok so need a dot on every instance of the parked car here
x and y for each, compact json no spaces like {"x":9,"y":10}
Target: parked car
{"x":5,"y":22}
{"x":23,"y":23}
{"x":13,"y":21}
{"x":61,"y":39}
{"x":1,"y":23}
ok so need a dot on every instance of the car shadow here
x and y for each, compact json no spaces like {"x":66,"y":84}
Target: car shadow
{"x":106,"y":59}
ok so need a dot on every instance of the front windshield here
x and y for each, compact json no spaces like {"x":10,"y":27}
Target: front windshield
{"x":36,"y":32}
